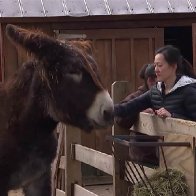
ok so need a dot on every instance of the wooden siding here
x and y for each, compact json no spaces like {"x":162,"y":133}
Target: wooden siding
{"x":121,"y":52}
{"x":12,"y":58}
{"x":194,"y":45}
{"x":1,"y":59}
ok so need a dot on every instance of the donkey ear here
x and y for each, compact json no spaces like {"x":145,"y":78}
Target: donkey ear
{"x":36,"y":43}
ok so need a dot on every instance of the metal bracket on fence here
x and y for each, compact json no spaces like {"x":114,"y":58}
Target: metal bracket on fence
{"x":147,"y":141}
{"x":124,"y":140}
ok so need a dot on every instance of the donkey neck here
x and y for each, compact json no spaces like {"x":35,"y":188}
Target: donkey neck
{"x":35,"y":115}
{"x":29,"y":110}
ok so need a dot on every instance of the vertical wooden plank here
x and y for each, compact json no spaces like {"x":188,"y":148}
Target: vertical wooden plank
{"x":1,"y":61}
{"x":194,"y":45}
{"x":151,"y":49}
{"x":80,"y":191}
{"x":140,"y":47}
{"x":114,"y":68}
{"x":194,"y":164}
{"x":10,"y":58}
{"x":72,"y":167}
{"x":159,"y":37}
{"x":103,"y":54}
{"x":56,"y":162}
{"x":1,"y":54}
{"x":120,"y":186}
{"x":123,"y":59}
{"x":133,"y":69}
{"x":60,"y":193}
{"x":105,"y":57}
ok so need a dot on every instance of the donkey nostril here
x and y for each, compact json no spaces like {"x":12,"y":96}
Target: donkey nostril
{"x":108,"y":115}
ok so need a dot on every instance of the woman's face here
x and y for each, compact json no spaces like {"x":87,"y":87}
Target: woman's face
{"x":163,"y":70}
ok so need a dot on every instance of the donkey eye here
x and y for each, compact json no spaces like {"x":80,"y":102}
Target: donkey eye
{"x":76,"y":76}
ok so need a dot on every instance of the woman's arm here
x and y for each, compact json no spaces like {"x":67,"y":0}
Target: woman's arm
{"x":133,"y":107}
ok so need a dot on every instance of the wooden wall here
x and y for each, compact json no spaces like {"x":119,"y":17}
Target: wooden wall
{"x":194,"y":45}
{"x":11,"y":58}
{"x":121,"y":52}
{"x":121,"y":48}
{"x":1,"y":62}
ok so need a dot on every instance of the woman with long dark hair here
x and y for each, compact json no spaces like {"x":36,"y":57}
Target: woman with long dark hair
{"x":174,"y":94}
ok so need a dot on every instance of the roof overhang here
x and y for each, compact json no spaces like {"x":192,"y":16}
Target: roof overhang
{"x":79,"y":8}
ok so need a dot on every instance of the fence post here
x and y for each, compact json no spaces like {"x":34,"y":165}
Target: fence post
{"x":120,"y":186}
{"x":72,"y":167}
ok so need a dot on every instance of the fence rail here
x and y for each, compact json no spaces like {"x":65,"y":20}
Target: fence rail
{"x":94,"y":158}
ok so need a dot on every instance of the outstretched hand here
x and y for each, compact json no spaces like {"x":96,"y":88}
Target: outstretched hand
{"x":149,"y":111}
{"x":163,"y":113}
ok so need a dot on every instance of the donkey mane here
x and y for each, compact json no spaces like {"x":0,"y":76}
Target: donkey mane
{"x":18,"y":85}
{"x":21,"y":79}
{"x":85,"y":48}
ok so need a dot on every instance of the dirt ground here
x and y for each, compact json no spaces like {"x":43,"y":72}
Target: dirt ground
{"x":101,"y":190}
{"x":15,"y":193}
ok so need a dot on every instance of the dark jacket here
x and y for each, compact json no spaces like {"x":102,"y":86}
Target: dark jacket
{"x":127,"y":122}
{"x":180,"y":101}
{"x":141,"y":90}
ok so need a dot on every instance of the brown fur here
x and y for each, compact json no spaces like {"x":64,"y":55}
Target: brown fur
{"x":41,"y":94}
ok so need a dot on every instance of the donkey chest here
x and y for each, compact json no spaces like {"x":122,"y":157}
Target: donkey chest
{"x":33,"y":164}
{"x":29,"y":171}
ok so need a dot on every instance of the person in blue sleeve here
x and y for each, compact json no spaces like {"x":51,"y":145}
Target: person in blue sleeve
{"x":174,"y":94}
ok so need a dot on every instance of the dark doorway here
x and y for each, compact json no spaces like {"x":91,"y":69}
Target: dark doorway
{"x":181,"y":37}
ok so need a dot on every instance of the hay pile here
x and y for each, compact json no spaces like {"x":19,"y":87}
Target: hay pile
{"x":160,"y":184}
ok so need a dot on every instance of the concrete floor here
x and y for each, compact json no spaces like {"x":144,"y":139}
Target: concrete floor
{"x":101,"y":190}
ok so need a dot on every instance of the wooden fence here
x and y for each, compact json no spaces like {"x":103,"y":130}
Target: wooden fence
{"x":67,"y":175}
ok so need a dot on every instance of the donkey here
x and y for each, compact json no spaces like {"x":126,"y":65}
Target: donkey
{"x":59,"y":84}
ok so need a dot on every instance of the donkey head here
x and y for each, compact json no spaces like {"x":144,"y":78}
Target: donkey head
{"x":75,"y":94}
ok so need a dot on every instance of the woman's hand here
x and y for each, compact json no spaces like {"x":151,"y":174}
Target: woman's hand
{"x":163,"y":113}
{"x":149,"y":110}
